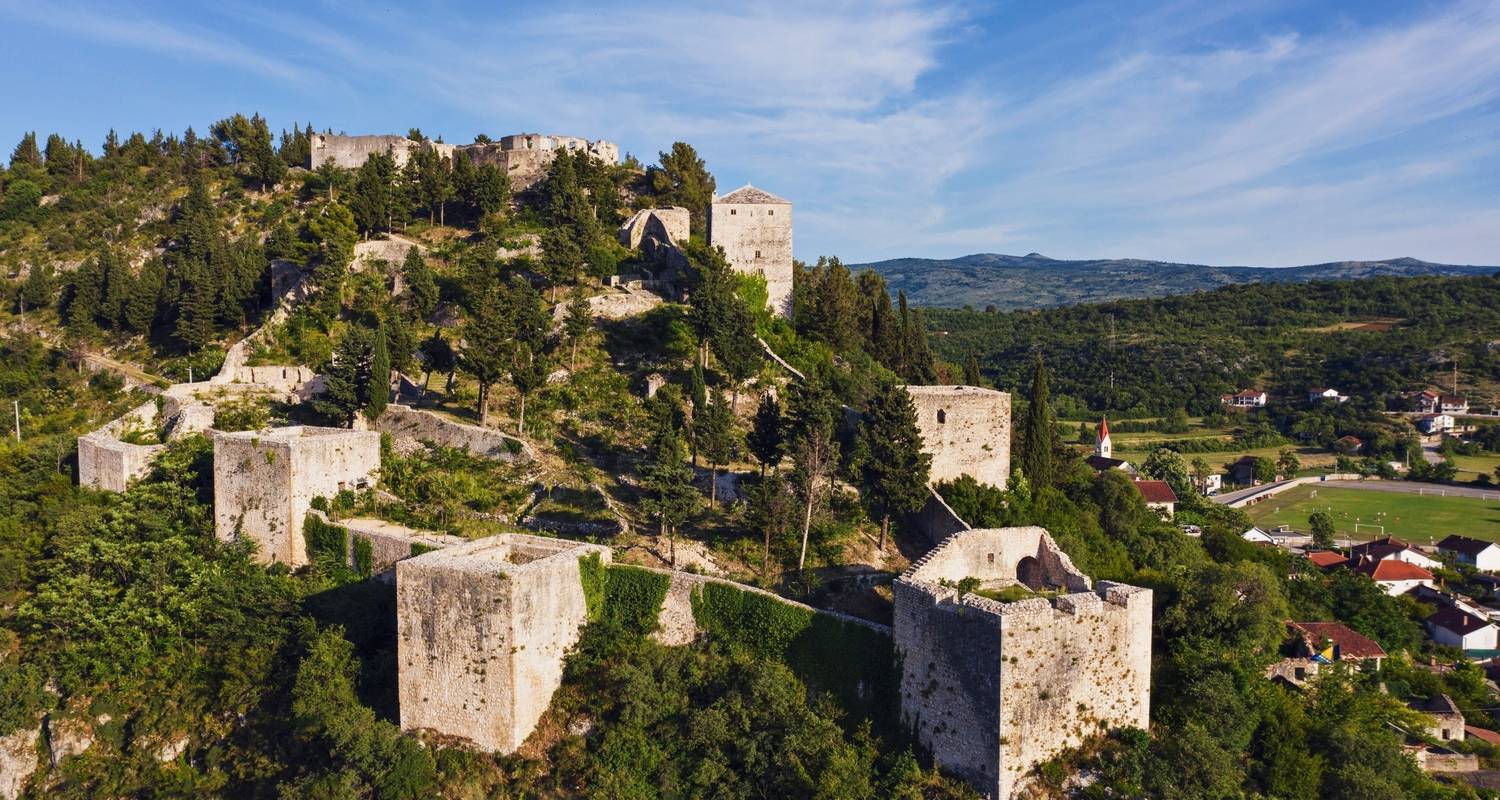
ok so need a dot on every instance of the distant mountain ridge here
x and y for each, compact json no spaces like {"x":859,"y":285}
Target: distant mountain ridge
{"x":1036,"y":281}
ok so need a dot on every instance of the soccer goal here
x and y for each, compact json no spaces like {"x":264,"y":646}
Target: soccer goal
{"x":1359,"y":525}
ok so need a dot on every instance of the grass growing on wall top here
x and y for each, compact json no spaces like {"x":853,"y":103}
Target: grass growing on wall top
{"x":591,"y":574}
{"x":852,"y":662}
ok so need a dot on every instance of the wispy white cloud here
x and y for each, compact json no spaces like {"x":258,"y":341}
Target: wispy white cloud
{"x":125,"y":27}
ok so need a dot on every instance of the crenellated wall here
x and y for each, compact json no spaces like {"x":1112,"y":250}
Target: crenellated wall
{"x":993,"y":688}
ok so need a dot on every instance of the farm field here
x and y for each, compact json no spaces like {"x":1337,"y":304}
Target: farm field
{"x":1471,"y":467}
{"x":1314,"y":460}
{"x":1420,"y":519}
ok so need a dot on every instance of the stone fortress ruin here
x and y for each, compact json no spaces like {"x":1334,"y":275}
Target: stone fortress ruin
{"x":265,"y":482}
{"x":993,"y":688}
{"x":524,"y":156}
{"x":1026,"y":659}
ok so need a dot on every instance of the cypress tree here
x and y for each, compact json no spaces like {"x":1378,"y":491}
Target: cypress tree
{"x":378,"y":390}
{"x":421,"y":287}
{"x":1040,"y":431}
{"x":767,"y":440}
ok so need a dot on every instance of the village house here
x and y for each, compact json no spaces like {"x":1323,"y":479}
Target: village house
{"x":1159,"y":497}
{"x":1432,"y":424}
{"x":1455,"y":627}
{"x":1327,"y":559}
{"x":1315,"y":645}
{"x":1452,"y":404}
{"x":1426,"y":401}
{"x":1394,"y":576}
{"x":1445,"y":722}
{"x":1320,"y":393}
{"x":1249,"y":398}
{"x":1348,"y":446}
{"x":1388,"y":548}
{"x":1209,"y":485}
{"x":1478,"y":554}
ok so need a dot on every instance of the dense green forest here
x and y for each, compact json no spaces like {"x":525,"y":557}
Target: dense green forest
{"x":197,"y":673}
{"x":1148,"y":357}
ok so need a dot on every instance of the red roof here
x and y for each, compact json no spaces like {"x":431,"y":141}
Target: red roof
{"x":1391,"y":569}
{"x":1156,"y":491}
{"x":1103,"y":428}
{"x":1350,"y":644}
{"x":1326,"y":558}
{"x":1482,"y":734}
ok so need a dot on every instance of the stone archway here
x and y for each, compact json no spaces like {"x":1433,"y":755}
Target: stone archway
{"x":1029,"y":573}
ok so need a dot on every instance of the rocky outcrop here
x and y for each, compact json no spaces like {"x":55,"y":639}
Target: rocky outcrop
{"x":18,"y":761}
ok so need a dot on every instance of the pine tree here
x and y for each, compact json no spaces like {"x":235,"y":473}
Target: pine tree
{"x":698,"y":395}
{"x":421,"y":287}
{"x":26,"y":154}
{"x":346,"y":377}
{"x":670,"y":496}
{"x":1040,"y":431}
{"x":682,"y":179}
{"x":117,"y":286}
{"x":737,"y":350}
{"x":145,"y":292}
{"x":767,"y":440}
{"x":266,"y":167}
{"x":197,"y":307}
{"x":576,"y":323}
{"x":895,"y":469}
{"x":84,"y":298}
{"x":399,"y":341}
{"x":770,"y":510}
{"x":716,"y":437}
{"x":38,"y":288}
{"x":374,"y":198}
{"x":487,"y":340}
{"x":528,"y":372}
{"x":814,"y":450}
{"x":491,"y":192}
{"x":437,"y":356}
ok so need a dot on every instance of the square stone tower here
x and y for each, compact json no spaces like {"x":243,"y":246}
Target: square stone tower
{"x":482,"y":629}
{"x":994,"y":687}
{"x":264,"y":482}
{"x":755,"y":230}
{"x":966,"y":429}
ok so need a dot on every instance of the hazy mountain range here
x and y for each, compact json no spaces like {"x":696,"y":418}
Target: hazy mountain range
{"x":1034,"y":280}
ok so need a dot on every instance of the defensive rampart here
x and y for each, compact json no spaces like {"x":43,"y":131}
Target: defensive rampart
{"x":410,"y":427}
{"x":995,"y":688}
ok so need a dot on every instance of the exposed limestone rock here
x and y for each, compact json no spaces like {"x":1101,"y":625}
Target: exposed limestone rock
{"x":18,"y":761}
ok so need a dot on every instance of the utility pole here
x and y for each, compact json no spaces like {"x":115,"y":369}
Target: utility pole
{"x":190,"y":374}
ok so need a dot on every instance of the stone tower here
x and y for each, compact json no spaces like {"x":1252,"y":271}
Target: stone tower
{"x":994,"y":687}
{"x":755,"y":230}
{"x":966,"y":430}
{"x":265,"y":481}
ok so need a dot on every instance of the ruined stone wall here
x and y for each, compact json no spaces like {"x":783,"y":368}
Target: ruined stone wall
{"x":265,"y":481}
{"x":757,"y":238}
{"x":1083,"y":666}
{"x":389,"y":543}
{"x":936,"y":520}
{"x":966,"y":429}
{"x":992,"y":689}
{"x":105,"y":462}
{"x":671,"y":225}
{"x":481,"y":633}
{"x":676,"y":625}
{"x":351,"y":152}
{"x":411,"y":427}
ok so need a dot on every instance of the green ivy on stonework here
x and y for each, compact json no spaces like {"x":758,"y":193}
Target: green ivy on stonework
{"x":854,"y":663}
{"x":633,"y":598}
{"x":326,"y":544}
{"x":363,"y":558}
{"x":418,"y":549}
{"x":591,"y":575}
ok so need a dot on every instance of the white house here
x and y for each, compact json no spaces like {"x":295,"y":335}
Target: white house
{"x":1452,"y":404}
{"x":1211,"y":484}
{"x":1257,"y":536}
{"x":1394,"y":576}
{"x":1391,"y":548}
{"x":1455,"y":627}
{"x":1318,"y":393}
{"x":1481,"y":555}
{"x":1435,"y":423}
{"x":1249,"y":398}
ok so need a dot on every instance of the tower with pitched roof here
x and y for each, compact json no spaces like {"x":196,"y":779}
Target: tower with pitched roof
{"x":754,"y":228}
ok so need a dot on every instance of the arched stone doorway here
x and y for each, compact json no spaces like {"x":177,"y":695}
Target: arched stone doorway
{"x":1029,"y":573}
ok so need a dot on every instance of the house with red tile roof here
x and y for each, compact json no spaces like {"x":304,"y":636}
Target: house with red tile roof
{"x":1327,"y":559}
{"x":1394,"y":576}
{"x":1159,"y":495}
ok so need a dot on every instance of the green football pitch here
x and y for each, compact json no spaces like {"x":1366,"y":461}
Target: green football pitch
{"x":1421,"y":518}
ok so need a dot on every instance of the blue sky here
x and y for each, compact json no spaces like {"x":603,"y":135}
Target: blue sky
{"x":1265,"y":133}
